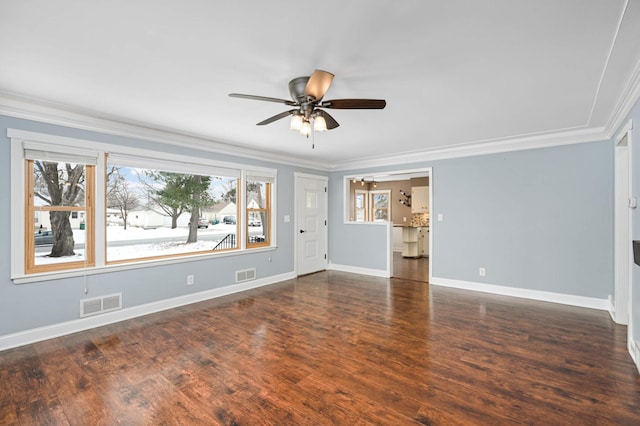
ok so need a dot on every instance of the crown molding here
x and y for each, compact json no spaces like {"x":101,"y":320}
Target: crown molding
{"x":625,"y":104}
{"x":557,"y":138}
{"x":49,"y":112}
{"x":18,"y":106}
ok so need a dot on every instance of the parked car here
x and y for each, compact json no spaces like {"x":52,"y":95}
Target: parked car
{"x":202,"y":223}
{"x":229,"y":220}
{"x":255,"y":222}
{"x":44,"y":238}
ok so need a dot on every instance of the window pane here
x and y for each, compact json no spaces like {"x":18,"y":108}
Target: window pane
{"x":380,"y":201}
{"x":380,"y":214}
{"x":149,"y":213}
{"x":380,"y":208}
{"x":258,"y":212}
{"x":58,"y":184}
{"x":58,"y":238}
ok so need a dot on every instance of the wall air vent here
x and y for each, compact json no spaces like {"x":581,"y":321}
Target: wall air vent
{"x":100,"y":305}
{"x":245,"y":275}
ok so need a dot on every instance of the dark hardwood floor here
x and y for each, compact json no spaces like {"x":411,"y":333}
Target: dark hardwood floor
{"x":416,"y":269}
{"x":333,"y":348}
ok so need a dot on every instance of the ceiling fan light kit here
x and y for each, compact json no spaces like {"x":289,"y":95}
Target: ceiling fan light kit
{"x":307,"y":93}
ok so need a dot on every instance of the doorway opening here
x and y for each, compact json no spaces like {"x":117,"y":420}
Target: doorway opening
{"x":404,"y":200}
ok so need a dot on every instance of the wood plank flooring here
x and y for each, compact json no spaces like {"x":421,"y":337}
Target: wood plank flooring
{"x":333,"y":348}
{"x":408,"y":268}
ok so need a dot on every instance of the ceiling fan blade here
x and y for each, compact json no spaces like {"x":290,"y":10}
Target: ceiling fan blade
{"x":354,"y":104}
{"x":262,"y":98}
{"x":277,"y":117}
{"x":331,"y":122}
{"x":318,"y":84}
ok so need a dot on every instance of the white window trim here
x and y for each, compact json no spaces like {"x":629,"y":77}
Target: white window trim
{"x":186,"y":166}
{"x":21,"y":139}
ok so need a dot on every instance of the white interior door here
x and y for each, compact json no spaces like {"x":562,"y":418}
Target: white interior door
{"x":311,"y":223}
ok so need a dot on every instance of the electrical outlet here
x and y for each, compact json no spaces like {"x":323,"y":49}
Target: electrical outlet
{"x":190,"y":280}
{"x":482,"y":272}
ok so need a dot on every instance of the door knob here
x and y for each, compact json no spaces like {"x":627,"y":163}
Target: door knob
{"x":302,"y":231}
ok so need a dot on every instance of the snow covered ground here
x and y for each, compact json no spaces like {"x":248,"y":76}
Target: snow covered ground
{"x":145,"y":242}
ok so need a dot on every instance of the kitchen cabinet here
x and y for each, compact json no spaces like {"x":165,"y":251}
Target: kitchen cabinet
{"x":415,"y":241}
{"x":410,"y":242}
{"x":425,"y":241}
{"x":419,"y":199}
{"x":397,"y":238}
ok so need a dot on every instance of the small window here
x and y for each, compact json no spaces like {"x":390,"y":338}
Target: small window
{"x":57,"y":191}
{"x":258,"y":199}
{"x":361,"y":206}
{"x":380,"y":205}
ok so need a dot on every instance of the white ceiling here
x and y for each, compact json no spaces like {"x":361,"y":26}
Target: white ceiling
{"x":453,"y":72}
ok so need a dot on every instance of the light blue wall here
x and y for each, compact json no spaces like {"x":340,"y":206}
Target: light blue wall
{"x":27,"y":306}
{"x":355,"y":245}
{"x":538,"y":219}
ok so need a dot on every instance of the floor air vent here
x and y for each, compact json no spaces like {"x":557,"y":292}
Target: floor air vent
{"x":245,"y":275}
{"x":99,"y":305}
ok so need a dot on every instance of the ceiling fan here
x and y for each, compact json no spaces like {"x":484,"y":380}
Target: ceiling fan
{"x":307,"y":94}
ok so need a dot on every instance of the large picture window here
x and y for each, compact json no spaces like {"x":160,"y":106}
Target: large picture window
{"x":82,"y":209}
{"x":155,"y":213}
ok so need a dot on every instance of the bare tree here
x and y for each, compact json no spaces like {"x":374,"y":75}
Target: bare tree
{"x":60,"y":184}
{"x":255,"y":192}
{"x":121,"y":197}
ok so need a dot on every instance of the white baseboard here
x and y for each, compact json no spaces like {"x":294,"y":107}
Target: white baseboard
{"x":56,"y":330}
{"x":357,"y":270}
{"x":634,"y":351}
{"x":612,"y":308}
{"x":565,"y":299}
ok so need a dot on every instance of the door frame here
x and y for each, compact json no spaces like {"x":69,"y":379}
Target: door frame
{"x":297,"y":219}
{"x":428,"y":172}
{"x":623,"y":232}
